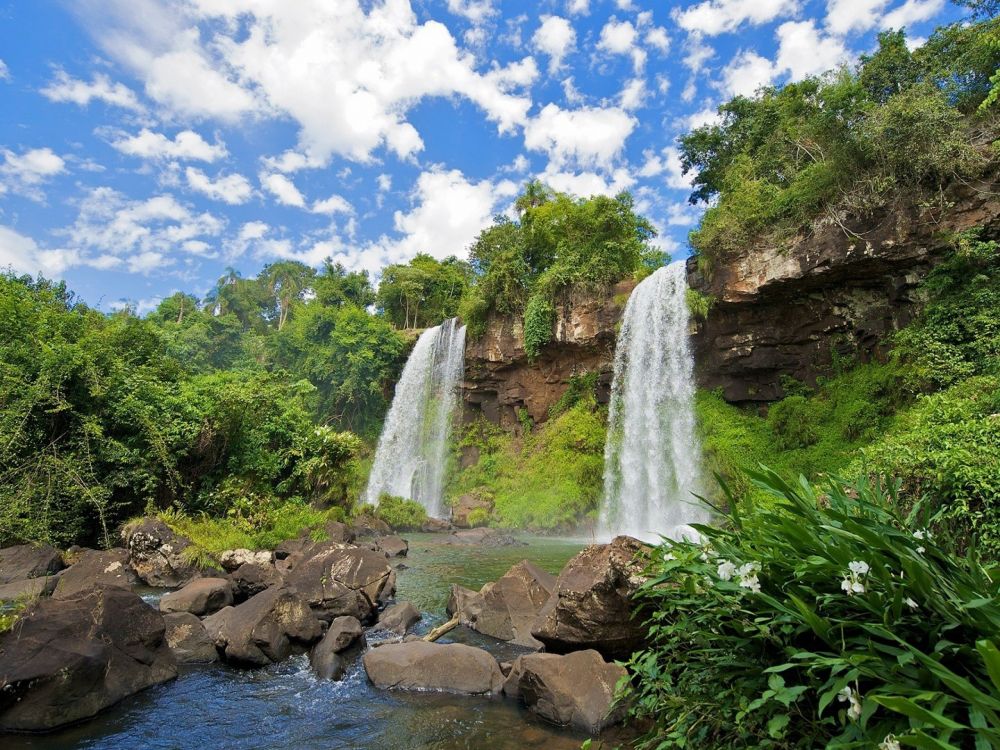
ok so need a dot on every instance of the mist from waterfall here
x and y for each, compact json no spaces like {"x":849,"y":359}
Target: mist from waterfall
{"x":412,"y":451}
{"x":652,"y":454}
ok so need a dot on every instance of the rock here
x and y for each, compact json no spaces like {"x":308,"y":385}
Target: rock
{"x":232,"y":559}
{"x":251,"y":578}
{"x":508,"y":608}
{"x":107,"y":567}
{"x":202,"y":596}
{"x":337,"y":580}
{"x":291,"y":547}
{"x":339,"y":532}
{"x":460,"y":599}
{"x":29,"y":588}
{"x":435,"y":525}
{"x":399,"y":618}
{"x":575,"y":690}
{"x":68,"y":658}
{"x":484,"y":537}
{"x":419,"y":665}
{"x":591,"y":606}
{"x":264,"y":629}
{"x":392,"y":546}
{"x":29,"y":561}
{"x":367,"y":525}
{"x":188,"y":639}
{"x":325,"y":657}
{"x":156,"y":553}
{"x":464,"y":507}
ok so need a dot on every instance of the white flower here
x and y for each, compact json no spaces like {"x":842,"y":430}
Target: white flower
{"x":921,"y":550}
{"x":889,"y":743}
{"x":857,"y":587}
{"x":910,"y":603}
{"x":846,"y":585}
{"x":726,"y":570}
{"x":852,"y":579}
{"x":859,"y":567}
{"x":847,"y":695}
{"x":750,"y":582}
{"x":748,"y":569}
{"x":921,"y":534}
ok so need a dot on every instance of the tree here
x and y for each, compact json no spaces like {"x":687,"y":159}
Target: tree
{"x":286,"y":281}
{"x":424,"y":291}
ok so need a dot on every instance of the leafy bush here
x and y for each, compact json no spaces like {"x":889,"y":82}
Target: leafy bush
{"x":793,"y":422}
{"x":539,"y":317}
{"x":401,"y":514}
{"x":821,"y":619}
{"x":479,"y":517}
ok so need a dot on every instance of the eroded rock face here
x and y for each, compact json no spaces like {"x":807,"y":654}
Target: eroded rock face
{"x":92,"y":567}
{"x":339,"y":580}
{"x":156,"y":553}
{"x":201,"y":597}
{"x":574,"y":690}
{"x":418,"y":665}
{"x":25,"y":561}
{"x":66,"y":659}
{"x":188,"y":639}
{"x":788,"y":311}
{"x":592,"y":606}
{"x":507,"y":608}
{"x":500,"y":381}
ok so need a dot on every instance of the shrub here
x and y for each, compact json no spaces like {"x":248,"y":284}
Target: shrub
{"x":401,"y":514}
{"x":479,"y":517}
{"x":793,"y":422}
{"x":539,"y":317}
{"x":823,"y":619}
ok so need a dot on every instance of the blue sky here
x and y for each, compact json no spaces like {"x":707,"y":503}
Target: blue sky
{"x":146,"y":145}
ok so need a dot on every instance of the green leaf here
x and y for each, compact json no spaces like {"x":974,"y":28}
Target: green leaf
{"x":991,"y":657}
{"x":776,"y":726}
{"x":908,"y":708}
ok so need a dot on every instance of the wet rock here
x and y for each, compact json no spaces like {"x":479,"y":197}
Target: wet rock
{"x":188,"y":639}
{"x":435,"y":525}
{"x":30,"y":588}
{"x":337,"y":580}
{"x":29,"y":561}
{"x":419,"y":665}
{"x":68,"y":658}
{"x":591,"y":606}
{"x":156,"y":553}
{"x":325,"y":657}
{"x":264,"y":629}
{"x":466,"y":505}
{"x":251,"y":578}
{"x":484,"y":537}
{"x":392,"y":546}
{"x":201,"y":597}
{"x":399,"y":618}
{"x":460,"y":599}
{"x":232,"y":559}
{"x":108,"y":567}
{"x":507,"y":608}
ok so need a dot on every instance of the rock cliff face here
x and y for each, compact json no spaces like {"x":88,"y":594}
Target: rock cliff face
{"x":836,"y":292}
{"x":500,"y":381}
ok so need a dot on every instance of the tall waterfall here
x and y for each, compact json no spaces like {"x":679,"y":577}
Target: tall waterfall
{"x":652,"y":455}
{"x":413,"y":448}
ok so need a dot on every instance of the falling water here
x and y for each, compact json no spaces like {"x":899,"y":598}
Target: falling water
{"x":651,"y":456}
{"x":413,"y":448}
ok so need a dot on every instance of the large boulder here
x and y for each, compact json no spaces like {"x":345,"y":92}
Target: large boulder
{"x":461,"y":600}
{"x":338,"y":532}
{"x":392,"y":546}
{"x":92,"y":567}
{"x":435,"y":526}
{"x":507,"y":608}
{"x":325,"y":657}
{"x":29,"y":561}
{"x":466,"y":505}
{"x":419,"y":665}
{"x":251,"y":578}
{"x":66,"y":659}
{"x":264,"y":629}
{"x":575,"y":690}
{"x":188,"y":639}
{"x":27,"y":589}
{"x":338,"y":580}
{"x":399,"y":618}
{"x":368,"y":525}
{"x":592,"y":603}
{"x":202,"y":596}
{"x":232,"y":559}
{"x":157,"y":553}
{"x":484,"y":538}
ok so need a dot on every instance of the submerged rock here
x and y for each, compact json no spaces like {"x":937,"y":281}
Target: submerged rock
{"x":26,"y":561}
{"x":67,"y":659}
{"x":156,"y":553}
{"x":418,"y":665}
{"x":188,"y":639}
{"x":399,"y":618}
{"x":337,"y":580}
{"x":325,"y":658}
{"x":592,"y":603}
{"x":108,"y":567}
{"x":484,"y":537}
{"x":202,"y":596}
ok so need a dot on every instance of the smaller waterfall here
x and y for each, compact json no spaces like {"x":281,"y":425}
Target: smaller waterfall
{"x":413,"y":448}
{"x":652,"y":455}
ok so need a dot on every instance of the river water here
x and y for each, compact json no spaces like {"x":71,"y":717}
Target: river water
{"x":215,"y":707}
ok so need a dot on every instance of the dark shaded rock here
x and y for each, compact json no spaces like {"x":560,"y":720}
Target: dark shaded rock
{"x":591,"y":606}
{"x":188,"y":639}
{"x":156,"y":553}
{"x":399,"y":618}
{"x":30,"y":588}
{"x":392,"y":546}
{"x":464,"y":507}
{"x":29,"y":561}
{"x":338,"y":532}
{"x":484,"y":537}
{"x":574,"y":690}
{"x":232,"y":559}
{"x":91,"y":567}
{"x":337,"y":580}
{"x":67,"y":659}
{"x":419,"y":665}
{"x":203,"y":596}
{"x":325,"y":657}
{"x":264,"y":629}
{"x":251,"y":578}
{"x":291,"y":547}
{"x":507,"y":608}
{"x":366,"y":525}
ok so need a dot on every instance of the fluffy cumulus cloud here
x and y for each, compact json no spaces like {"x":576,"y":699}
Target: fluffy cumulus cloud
{"x":746,"y":72}
{"x":283,"y":189}
{"x":476,"y":11}
{"x":555,"y":37}
{"x":911,"y":12}
{"x":234,"y":189}
{"x":666,"y":163}
{"x":22,"y":255}
{"x":187,"y":145}
{"x":622,"y":38}
{"x":587,"y":137}
{"x":64,"y":88}
{"x":335,"y":204}
{"x":804,"y":50}
{"x":714,"y":17}
{"x":845,"y":16}
{"x":25,"y":172}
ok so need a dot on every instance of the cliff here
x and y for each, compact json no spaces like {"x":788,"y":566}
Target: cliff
{"x":837,"y":291}
{"x":500,"y":380}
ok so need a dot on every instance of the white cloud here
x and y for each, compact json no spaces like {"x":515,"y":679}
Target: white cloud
{"x":283,"y":189}
{"x":25,"y":172}
{"x":697,"y":54}
{"x":587,"y":183}
{"x":714,"y":17}
{"x":911,"y":12}
{"x":657,"y":37}
{"x":707,"y":116}
{"x":745,"y":73}
{"x":571,"y":92}
{"x":476,"y":11}
{"x":846,"y":16}
{"x":588,"y":136}
{"x":22,"y":255}
{"x":667,"y":163}
{"x":555,"y":37}
{"x":384,"y":182}
{"x":633,"y":95}
{"x":804,"y":51}
{"x":682,"y":215}
{"x":4,"y":71}
{"x":67,"y":89}
{"x":234,"y":189}
{"x":335,"y":204}
{"x":621,"y":38}
{"x":578,"y":7}
{"x":186,"y":145}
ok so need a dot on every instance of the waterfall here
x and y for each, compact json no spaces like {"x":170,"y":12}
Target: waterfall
{"x":413,"y":448}
{"x":651,"y":455}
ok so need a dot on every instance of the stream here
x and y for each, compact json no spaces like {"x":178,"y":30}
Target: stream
{"x":215,"y":707}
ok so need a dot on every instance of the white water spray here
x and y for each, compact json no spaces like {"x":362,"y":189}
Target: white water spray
{"x":413,"y":448}
{"x":652,"y":455}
